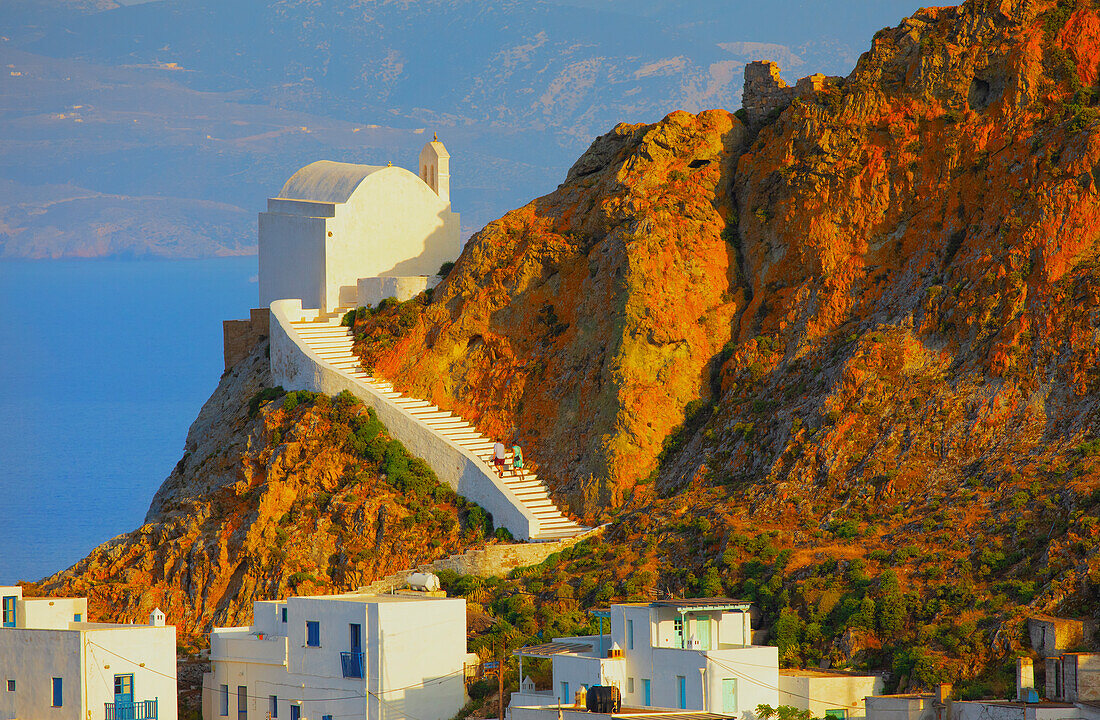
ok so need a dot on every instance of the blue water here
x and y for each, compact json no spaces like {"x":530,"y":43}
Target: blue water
{"x":103,"y":366}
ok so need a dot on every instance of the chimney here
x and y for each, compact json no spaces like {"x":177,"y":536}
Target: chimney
{"x":1025,"y":679}
{"x":943,"y":692}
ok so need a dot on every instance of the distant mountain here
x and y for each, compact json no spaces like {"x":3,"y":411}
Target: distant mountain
{"x":203,"y":100}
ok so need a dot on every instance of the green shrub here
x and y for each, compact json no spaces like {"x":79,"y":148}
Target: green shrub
{"x":263,"y":397}
{"x":445,"y":269}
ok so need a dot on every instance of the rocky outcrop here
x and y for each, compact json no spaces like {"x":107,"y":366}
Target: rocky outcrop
{"x":898,"y":269}
{"x":275,"y":494}
{"x":583,"y":323}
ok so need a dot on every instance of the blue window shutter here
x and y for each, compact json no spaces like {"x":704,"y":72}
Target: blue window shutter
{"x":313,"y":633}
{"x":57,"y":692}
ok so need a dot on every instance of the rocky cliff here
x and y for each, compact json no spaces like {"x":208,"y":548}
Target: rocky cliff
{"x":886,"y":279}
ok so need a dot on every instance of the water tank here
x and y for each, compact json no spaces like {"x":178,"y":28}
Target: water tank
{"x":604,"y":699}
{"x":427,"y":582}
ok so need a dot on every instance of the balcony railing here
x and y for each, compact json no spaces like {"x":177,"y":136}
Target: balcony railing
{"x":141,"y":710}
{"x":352,"y":663}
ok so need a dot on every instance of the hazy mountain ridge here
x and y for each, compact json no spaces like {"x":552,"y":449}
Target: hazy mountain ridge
{"x":517,"y":90}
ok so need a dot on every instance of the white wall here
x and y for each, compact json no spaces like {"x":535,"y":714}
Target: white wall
{"x":296,"y":367}
{"x":33,"y":658}
{"x":421,"y":642}
{"x":818,"y":692}
{"x":149,"y":653}
{"x":292,"y":258}
{"x":900,"y":707}
{"x":392,"y":225}
{"x":51,"y":613}
{"x":373,"y":290}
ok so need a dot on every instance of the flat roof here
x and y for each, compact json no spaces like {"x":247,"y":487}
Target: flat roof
{"x":696,"y":604}
{"x":633,"y":713}
{"x":365,"y":598}
{"x":814,"y":672}
{"x":1018,"y":704}
{"x":554,"y":648}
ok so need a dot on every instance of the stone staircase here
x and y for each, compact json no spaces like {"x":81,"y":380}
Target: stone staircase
{"x":333,"y":344}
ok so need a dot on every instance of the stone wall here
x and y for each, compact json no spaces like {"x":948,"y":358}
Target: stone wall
{"x":765,"y":91}
{"x":496,"y":560}
{"x":240,"y":336}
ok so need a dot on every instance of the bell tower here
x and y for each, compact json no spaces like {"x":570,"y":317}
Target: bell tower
{"x":435,"y":168}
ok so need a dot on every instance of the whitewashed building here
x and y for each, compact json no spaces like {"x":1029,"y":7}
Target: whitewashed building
{"x":826,"y":694}
{"x":685,"y":656}
{"x":694,"y":654}
{"x":342,"y":234}
{"x":54,"y":664}
{"x":383,"y":657}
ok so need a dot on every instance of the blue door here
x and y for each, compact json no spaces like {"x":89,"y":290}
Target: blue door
{"x":729,"y":695}
{"x":124,"y":697}
{"x":295,"y":712}
{"x":682,"y":682}
{"x":645,"y":691}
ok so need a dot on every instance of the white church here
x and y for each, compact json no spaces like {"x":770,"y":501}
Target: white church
{"x":340,"y":234}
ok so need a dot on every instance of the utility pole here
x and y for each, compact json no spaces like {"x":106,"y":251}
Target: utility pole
{"x":500,"y":681}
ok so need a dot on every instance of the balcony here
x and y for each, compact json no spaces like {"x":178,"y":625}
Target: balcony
{"x":141,"y":710}
{"x":352,"y":663}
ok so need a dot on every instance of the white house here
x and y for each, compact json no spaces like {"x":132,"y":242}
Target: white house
{"x":336,"y":224}
{"x":828,"y":694}
{"x":54,"y":664}
{"x":694,"y":654}
{"x":380,"y":657}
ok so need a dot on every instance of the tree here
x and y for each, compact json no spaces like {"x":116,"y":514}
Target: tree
{"x":783,"y":712}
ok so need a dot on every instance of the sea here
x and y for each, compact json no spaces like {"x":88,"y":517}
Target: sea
{"x":104,"y":364}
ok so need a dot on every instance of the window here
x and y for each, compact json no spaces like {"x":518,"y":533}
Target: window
{"x":681,"y":683}
{"x":77,"y":617}
{"x":629,"y":634}
{"x":564,"y":693}
{"x":645,"y":691}
{"x":274,"y":709}
{"x":313,"y":633}
{"x":283,"y":614}
{"x":224,"y":709}
{"x":630,"y":685}
{"x":242,"y":702}
{"x":835,"y":714}
{"x":326,"y":717}
{"x":295,"y":712}
{"x":11,"y":686}
{"x":9,"y":611}
{"x":57,"y":692}
{"x":678,"y":630}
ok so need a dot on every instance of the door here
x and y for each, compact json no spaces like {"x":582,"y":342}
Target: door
{"x":681,"y":681}
{"x":295,"y":712}
{"x":646,"y":692}
{"x":729,"y":695}
{"x":356,"y":639}
{"x":702,"y":632}
{"x":124,"y":697}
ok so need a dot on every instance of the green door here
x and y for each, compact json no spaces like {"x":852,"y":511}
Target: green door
{"x":729,"y":695}
{"x":702,"y":633}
